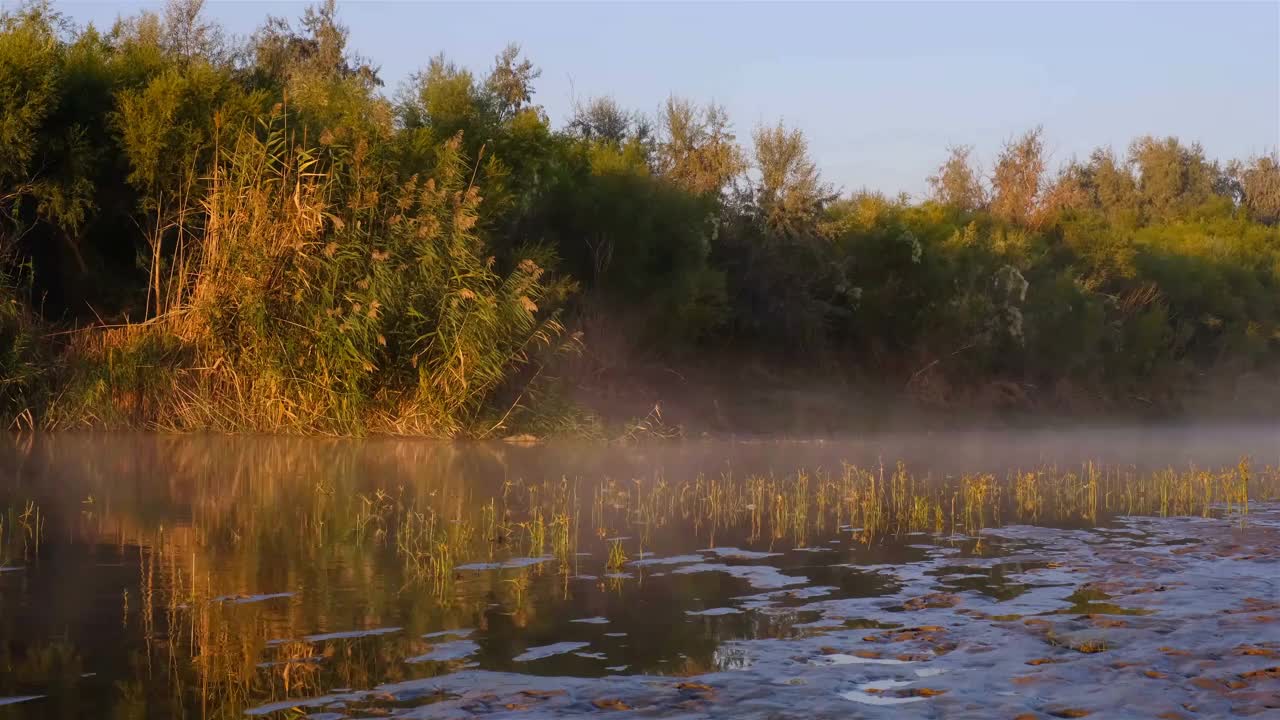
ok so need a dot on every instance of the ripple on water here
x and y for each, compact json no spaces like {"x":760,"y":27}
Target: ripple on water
{"x":460,"y":632}
{"x":247,"y":599}
{"x":872,"y":693}
{"x":349,"y":634}
{"x":763,"y":577}
{"x":715,"y":611}
{"x":447,"y":651}
{"x":545,"y":651}
{"x":510,"y":564}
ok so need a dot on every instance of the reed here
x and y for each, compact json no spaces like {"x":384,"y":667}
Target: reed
{"x":323,"y":296}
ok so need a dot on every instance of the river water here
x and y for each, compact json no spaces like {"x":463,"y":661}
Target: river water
{"x":1036,"y":574}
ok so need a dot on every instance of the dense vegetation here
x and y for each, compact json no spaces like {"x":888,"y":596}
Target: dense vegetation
{"x":199,"y":233}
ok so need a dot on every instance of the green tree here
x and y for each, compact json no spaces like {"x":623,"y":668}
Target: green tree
{"x":957,"y":183}
{"x":790,"y":194}
{"x":698,"y":151}
{"x":1259,"y":180}
{"x":1173,"y":179}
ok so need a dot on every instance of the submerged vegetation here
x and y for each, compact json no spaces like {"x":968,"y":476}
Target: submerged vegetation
{"x":205,"y":233}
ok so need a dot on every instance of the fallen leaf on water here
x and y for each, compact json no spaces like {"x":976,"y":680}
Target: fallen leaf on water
{"x":922,"y":692}
{"x":1253,"y":650}
{"x":517,"y":706}
{"x":1155,"y":674}
{"x":1271,"y":673}
{"x":610,"y":704}
{"x":869,"y":654}
{"x":932,"y":600}
{"x":541,"y":694}
{"x":1207,"y":683}
{"x":1041,"y":661}
{"x":698,"y":687}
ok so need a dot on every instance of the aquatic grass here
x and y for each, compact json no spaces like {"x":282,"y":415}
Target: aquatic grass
{"x":518,"y":587}
{"x":21,"y":532}
{"x":562,"y":539}
{"x":617,"y":557}
{"x":536,"y":529}
{"x":419,"y":534}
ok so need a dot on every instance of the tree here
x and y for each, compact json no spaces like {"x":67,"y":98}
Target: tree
{"x":1111,"y":185}
{"x":957,"y":183}
{"x":509,"y":86}
{"x":320,"y":50}
{"x":1172,"y":178}
{"x":503,"y":134}
{"x":50,"y":118}
{"x":1260,"y":187}
{"x":698,"y":152}
{"x":602,"y":119}
{"x":186,"y":34}
{"x":1018,"y":178}
{"x":1067,"y":191}
{"x":790,"y":195}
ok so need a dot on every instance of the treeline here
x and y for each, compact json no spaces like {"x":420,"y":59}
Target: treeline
{"x":200,"y":232}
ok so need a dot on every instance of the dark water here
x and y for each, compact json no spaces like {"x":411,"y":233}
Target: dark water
{"x":146,"y":576}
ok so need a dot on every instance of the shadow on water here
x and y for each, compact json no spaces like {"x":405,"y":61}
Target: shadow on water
{"x":151,"y":576}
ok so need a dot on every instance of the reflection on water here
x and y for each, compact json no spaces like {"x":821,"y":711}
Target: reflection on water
{"x":145,"y":576}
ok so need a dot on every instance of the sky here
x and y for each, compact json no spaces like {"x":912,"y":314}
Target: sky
{"x":880,"y":89}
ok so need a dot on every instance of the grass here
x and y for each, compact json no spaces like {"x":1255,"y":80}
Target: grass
{"x":21,"y":530}
{"x":617,"y":557}
{"x":305,"y":309}
{"x":546,"y":519}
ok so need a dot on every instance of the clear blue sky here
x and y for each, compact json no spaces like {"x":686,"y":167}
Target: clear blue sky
{"x":880,"y":89}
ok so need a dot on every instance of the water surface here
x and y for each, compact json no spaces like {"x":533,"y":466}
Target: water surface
{"x":151,"y":576}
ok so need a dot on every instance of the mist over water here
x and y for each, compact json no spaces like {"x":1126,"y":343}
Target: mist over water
{"x":151,"y":575}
